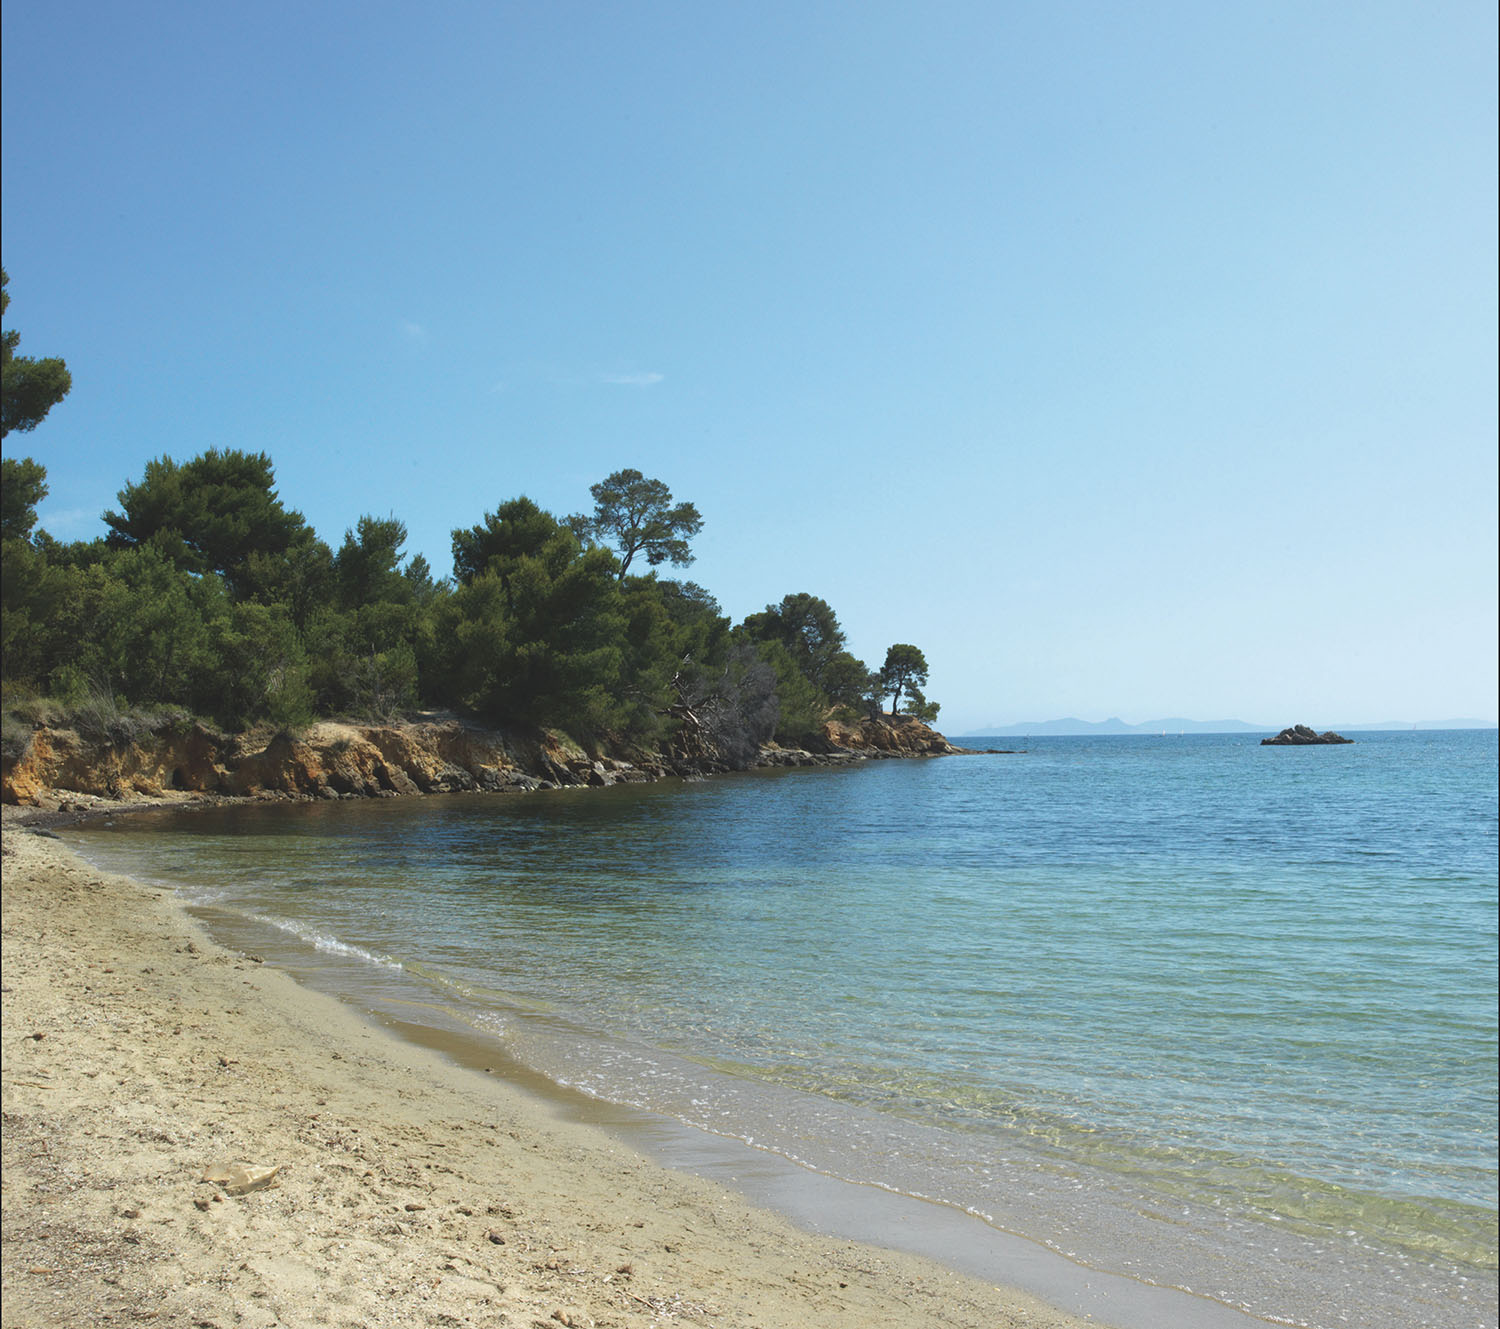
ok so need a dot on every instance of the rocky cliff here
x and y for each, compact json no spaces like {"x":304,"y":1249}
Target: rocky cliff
{"x":435,"y":754}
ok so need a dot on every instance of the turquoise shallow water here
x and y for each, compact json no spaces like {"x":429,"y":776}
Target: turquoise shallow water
{"x":1215,"y":1015}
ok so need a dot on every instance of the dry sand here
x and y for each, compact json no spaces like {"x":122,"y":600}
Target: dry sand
{"x":138,"y":1056}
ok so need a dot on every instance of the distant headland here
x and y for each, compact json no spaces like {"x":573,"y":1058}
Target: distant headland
{"x":1072,"y":727}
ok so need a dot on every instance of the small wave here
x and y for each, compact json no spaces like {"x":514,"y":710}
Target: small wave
{"x":327,"y":945}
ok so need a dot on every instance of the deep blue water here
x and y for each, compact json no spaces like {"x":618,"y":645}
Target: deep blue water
{"x":1185,"y":1007}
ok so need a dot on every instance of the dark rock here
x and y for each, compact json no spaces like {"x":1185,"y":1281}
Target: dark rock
{"x":1299,"y":735}
{"x":520,"y":780}
{"x":555,"y":771}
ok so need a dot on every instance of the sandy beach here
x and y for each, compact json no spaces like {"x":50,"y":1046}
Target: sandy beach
{"x":141,"y":1058}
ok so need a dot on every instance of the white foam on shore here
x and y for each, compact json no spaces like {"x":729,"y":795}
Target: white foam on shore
{"x":321,"y":941}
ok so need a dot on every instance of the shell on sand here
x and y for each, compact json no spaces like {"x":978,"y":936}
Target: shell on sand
{"x":242,"y":1178}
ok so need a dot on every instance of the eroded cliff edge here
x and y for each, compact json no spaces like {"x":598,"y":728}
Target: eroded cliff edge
{"x":49,"y":767}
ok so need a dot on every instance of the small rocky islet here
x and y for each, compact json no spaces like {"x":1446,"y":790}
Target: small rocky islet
{"x":1299,"y":735}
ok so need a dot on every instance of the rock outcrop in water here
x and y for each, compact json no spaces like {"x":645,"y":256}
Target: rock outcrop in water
{"x":435,"y":754}
{"x":1299,"y":735}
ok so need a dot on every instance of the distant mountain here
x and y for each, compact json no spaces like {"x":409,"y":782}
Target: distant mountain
{"x":1420,"y":724}
{"x":1071,"y":726}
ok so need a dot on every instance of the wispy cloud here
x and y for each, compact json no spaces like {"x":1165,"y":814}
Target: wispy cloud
{"x":414,"y":332}
{"x":551,"y":374}
{"x":66,"y":521}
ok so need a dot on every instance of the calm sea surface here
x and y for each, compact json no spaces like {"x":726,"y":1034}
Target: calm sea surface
{"x":1209,"y":1014}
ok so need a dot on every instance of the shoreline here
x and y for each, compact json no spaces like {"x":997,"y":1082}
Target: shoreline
{"x":818,"y":1202}
{"x":432,"y":753}
{"x":1080,"y":1290}
{"x":138,"y":1054}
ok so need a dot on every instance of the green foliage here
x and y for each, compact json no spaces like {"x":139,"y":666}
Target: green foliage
{"x":801,"y":704}
{"x":131,"y":625}
{"x":517,"y":529}
{"x":218,"y":513}
{"x":919,"y":708}
{"x":847,"y":681}
{"x":149,"y":633}
{"x":367,"y":661}
{"x":300,"y":578}
{"x":38,"y":613}
{"x":210,"y":597}
{"x":535,"y":627}
{"x":421,"y":587}
{"x":269,"y":678}
{"x":28,"y":388}
{"x":74,"y":553}
{"x":904,"y":670}
{"x":23,"y":484}
{"x":700,"y":632}
{"x":652,"y":654}
{"x":135,"y":627}
{"x":367,"y":566}
{"x":384,"y":683}
{"x":807,"y":627}
{"x":637,"y":516}
{"x":687,"y":604}
{"x":676,"y":644}
{"x":364,"y":662}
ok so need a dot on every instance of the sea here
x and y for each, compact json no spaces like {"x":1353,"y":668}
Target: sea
{"x":1179,"y":1011}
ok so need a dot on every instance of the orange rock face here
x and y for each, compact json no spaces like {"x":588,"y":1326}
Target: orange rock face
{"x":329,"y":761}
{"x":333,"y":760}
{"x":896,"y":735}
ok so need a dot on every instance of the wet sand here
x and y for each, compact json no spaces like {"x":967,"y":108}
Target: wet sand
{"x":139,"y":1057}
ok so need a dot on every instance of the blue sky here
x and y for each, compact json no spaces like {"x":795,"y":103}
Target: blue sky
{"x":1129,"y":359}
